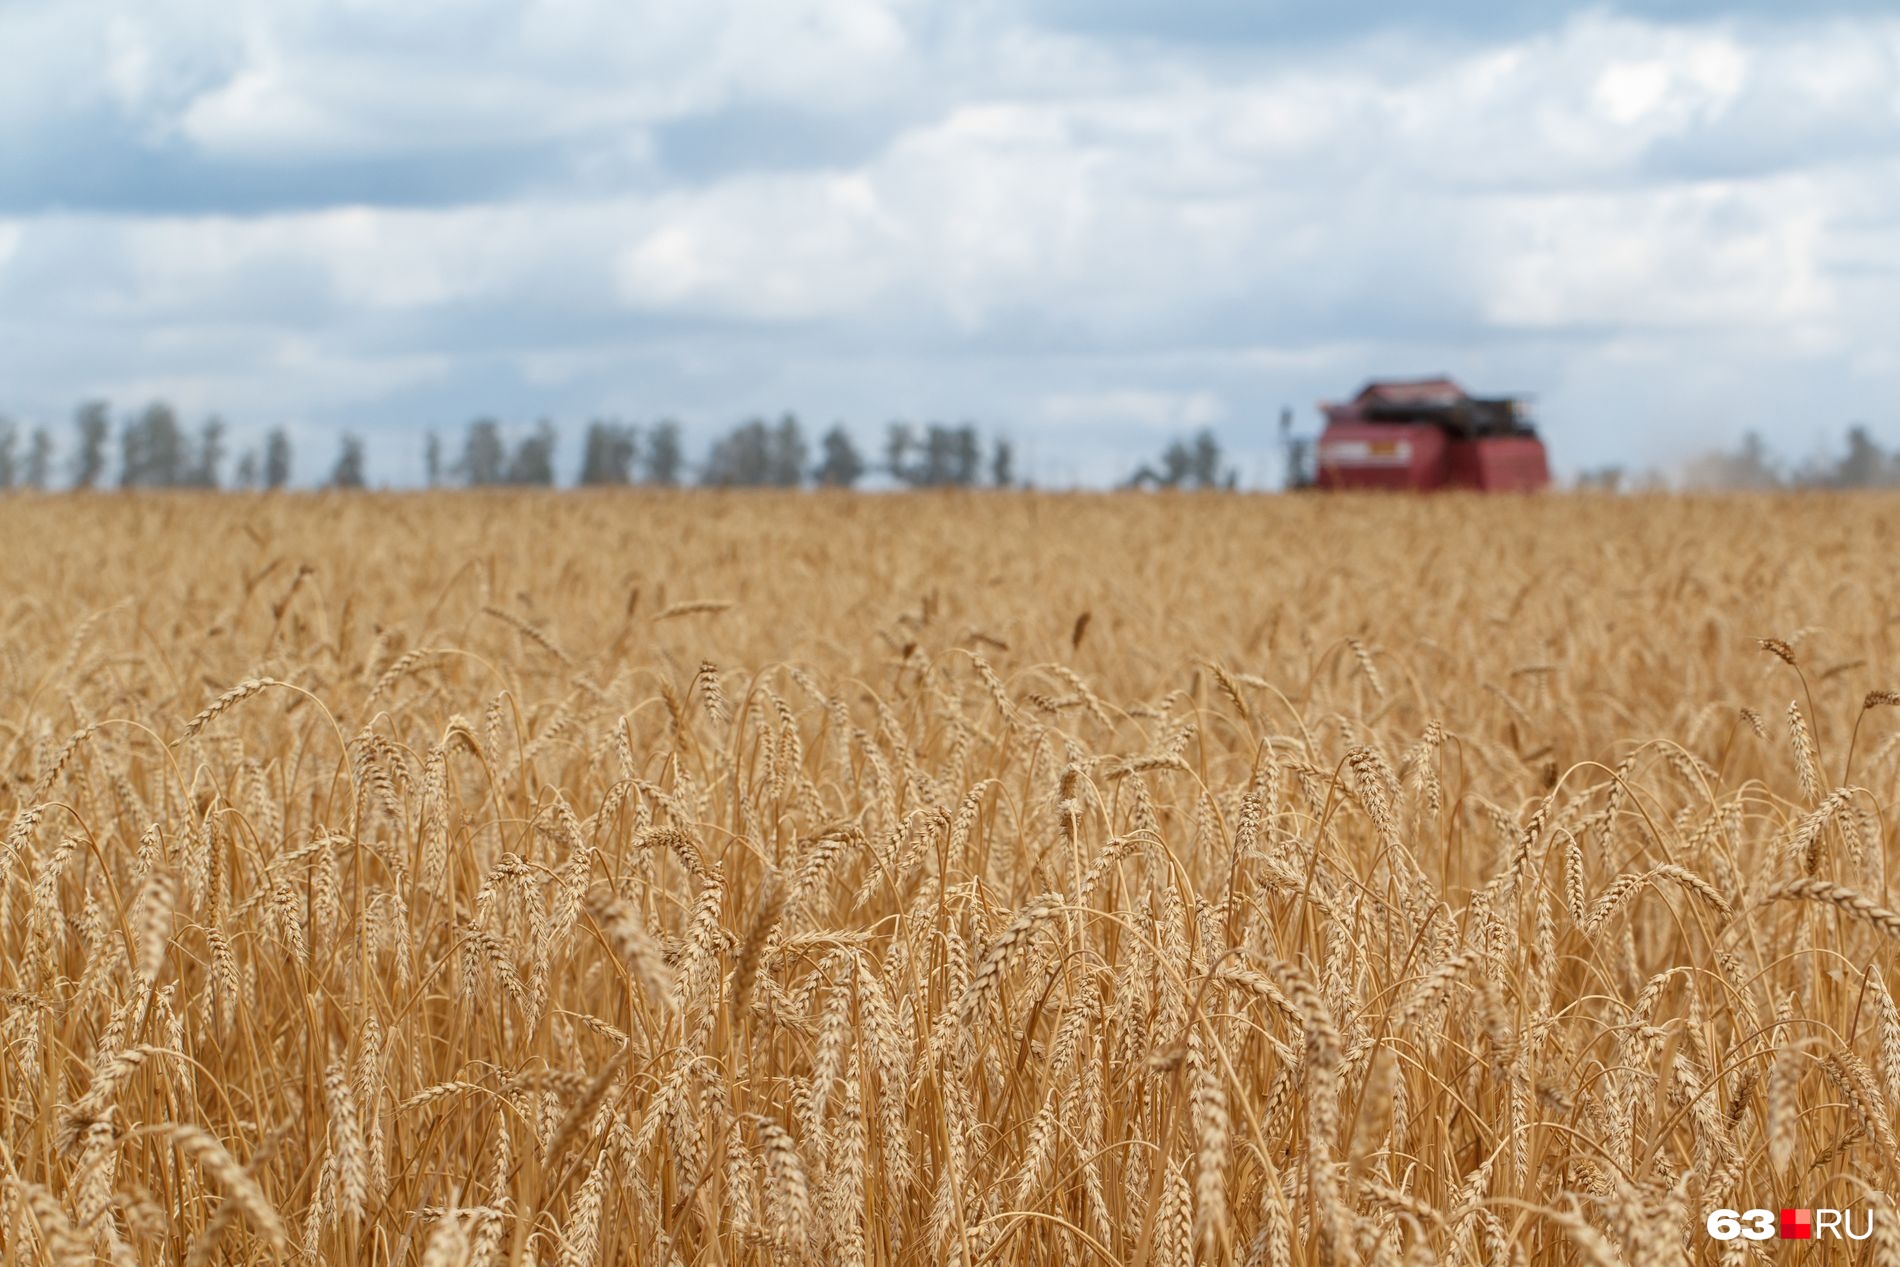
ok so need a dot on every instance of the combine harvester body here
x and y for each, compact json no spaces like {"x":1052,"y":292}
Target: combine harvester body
{"x":1429,"y":433}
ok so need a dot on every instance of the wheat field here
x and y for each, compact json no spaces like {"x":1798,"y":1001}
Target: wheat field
{"x":705,"y":879}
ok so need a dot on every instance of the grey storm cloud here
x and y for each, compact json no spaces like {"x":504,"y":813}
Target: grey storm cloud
{"x":1092,"y":225}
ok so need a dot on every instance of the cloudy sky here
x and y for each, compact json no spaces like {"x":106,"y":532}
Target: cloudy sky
{"x":1092,"y":224}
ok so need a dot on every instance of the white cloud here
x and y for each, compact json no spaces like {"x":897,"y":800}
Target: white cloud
{"x":777,"y":249}
{"x":316,"y":80}
{"x":258,"y":113}
{"x":287,"y":377}
{"x":1157,"y":411}
{"x":1709,"y":257}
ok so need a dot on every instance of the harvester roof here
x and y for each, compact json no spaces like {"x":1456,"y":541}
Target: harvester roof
{"x":1439,"y":401}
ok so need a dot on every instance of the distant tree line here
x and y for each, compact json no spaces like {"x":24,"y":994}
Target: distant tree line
{"x":1195,"y":462}
{"x":154,"y":449}
{"x":1859,"y":463}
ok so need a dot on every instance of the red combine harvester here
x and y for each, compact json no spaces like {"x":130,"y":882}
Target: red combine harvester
{"x":1429,"y":433}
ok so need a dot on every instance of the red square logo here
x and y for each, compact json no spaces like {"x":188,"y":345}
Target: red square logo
{"x":1797,"y":1225}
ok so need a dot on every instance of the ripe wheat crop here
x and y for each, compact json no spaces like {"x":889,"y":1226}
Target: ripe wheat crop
{"x":981,"y":880}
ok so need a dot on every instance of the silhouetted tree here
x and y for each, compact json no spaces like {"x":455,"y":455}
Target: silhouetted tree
{"x":940,"y":457}
{"x":786,"y":454}
{"x":665,"y":458}
{"x":842,"y":465}
{"x":484,"y":457}
{"x":533,"y":461}
{"x":1193,"y":463}
{"x":9,"y":469}
{"x":206,"y":466}
{"x":945,"y":456}
{"x":1206,"y":466}
{"x":1002,"y":464}
{"x":1174,"y":466}
{"x":609,"y":453}
{"x":432,"y":459}
{"x":1866,"y":464}
{"x":276,"y":458}
{"x":739,"y":459}
{"x":152,"y":450}
{"x":899,"y":441}
{"x":758,"y":455}
{"x":245,"y":474}
{"x":39,"y":459}
{"x":966,"y":456}
{"x":349,"y":471}
{"x":93,"y":423}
